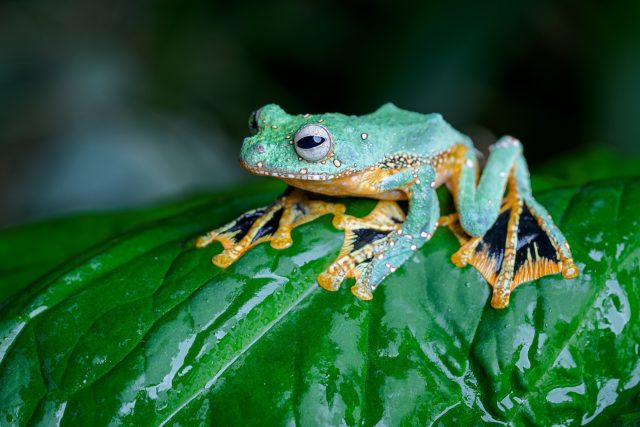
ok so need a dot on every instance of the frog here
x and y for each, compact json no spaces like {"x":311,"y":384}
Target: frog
{"x":397,"y":157}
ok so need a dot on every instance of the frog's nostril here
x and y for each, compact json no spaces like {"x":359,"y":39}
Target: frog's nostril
{"x":260,"y":148}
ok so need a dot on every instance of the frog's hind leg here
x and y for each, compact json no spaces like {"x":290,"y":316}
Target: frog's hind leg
{"x":518,"y":248}
{"x":271,"y":223}
{"x":362,"y":237}
{"x":518,"y":243}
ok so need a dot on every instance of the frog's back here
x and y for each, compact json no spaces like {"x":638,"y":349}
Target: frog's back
{"x":394,"y":131}
{"x":375,"y":146}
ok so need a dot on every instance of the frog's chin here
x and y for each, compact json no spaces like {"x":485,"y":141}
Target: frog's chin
{"x":303,"y":174}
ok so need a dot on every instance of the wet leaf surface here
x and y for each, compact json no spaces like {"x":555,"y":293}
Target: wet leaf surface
{"x":144,"y":330}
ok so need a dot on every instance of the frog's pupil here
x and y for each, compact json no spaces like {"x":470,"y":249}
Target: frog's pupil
{"x":310,"y":141}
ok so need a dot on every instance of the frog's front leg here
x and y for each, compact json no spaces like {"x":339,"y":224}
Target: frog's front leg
{"x":389,"y":244}
{"x":511,"y":240}
{"x":362,"y":236}
{"x":271,"y":223}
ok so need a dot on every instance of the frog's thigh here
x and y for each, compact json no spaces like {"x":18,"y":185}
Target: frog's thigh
{"x":478,"y":203}
{"x":271,"y":223}
{"x":398,"y":246}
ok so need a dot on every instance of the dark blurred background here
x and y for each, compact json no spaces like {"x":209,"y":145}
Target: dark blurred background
{"x":105,"y":105}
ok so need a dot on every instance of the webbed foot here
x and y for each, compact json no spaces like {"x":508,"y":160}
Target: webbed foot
{"x":364,"y":239}
{"x":271,"y":223}
{"x":521,"y":246}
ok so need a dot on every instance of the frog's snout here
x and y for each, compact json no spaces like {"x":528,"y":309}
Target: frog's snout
{"x":254,"y":154}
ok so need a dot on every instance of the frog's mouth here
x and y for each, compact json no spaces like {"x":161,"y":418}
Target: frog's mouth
{"x":258,"y":169}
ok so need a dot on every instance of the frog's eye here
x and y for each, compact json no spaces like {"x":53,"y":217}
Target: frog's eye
{"x":313,"y":142}
{"x":254,"y":127}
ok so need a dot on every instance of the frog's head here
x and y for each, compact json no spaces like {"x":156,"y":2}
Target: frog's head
{"x":309,"y":147}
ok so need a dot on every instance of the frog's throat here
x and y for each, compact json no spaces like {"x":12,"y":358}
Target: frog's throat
{"x":363,"y":183}
{"x":259,"y":170}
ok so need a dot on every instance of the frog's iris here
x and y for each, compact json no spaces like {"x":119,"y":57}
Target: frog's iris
{"x":313,"y":142}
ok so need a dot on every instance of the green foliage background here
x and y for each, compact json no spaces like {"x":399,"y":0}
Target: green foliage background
{"x":142,"y":329}
{"x":112,"y":104}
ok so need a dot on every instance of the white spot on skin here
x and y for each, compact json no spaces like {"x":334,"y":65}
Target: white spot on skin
{"x":274,"y":126}
{"x":303,"y":171}
{"x":364,"y":136}
{"x":414,"y":247}
{"x":469,"y":163}
{"x":259,"y":164}
{"x":336,"y":162}
{"x":320,"y":120}
{"x":306,"y":116}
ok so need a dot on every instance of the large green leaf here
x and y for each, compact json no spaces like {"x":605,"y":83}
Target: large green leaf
{"x":144,"y":330}
{"x":28,"y":252}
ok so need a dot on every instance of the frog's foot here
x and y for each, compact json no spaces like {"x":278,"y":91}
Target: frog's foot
{"x":271,"y":223}
{"x":364,"y":239}
{"x":521,"y":246}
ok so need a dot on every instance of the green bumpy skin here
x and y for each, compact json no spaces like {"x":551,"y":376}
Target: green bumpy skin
{"x":359,"y":142}
{"x":392,"y":155}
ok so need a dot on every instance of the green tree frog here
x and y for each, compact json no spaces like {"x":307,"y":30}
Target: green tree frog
{"x":394,"y":155}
